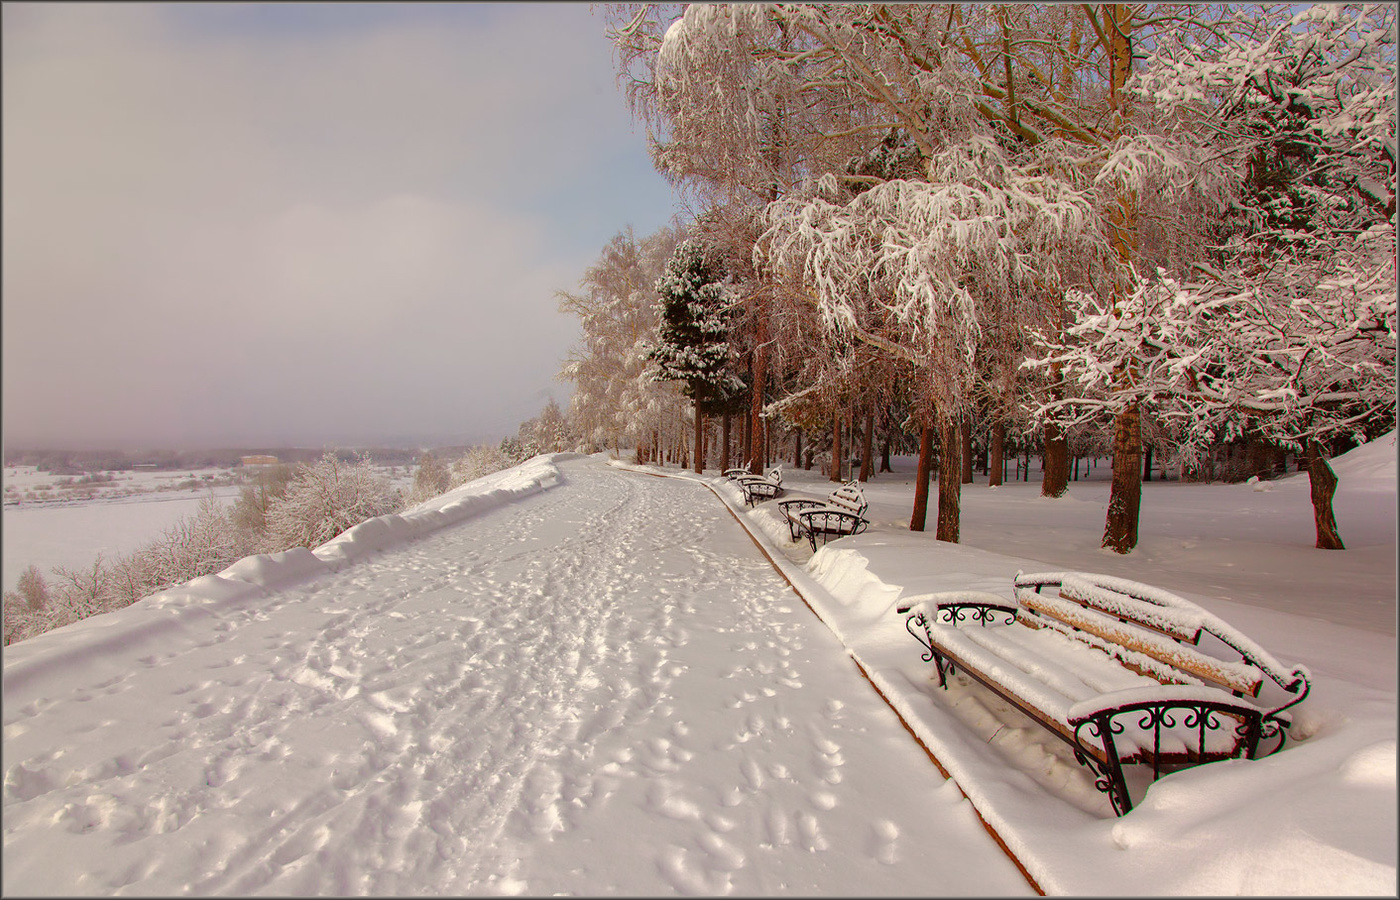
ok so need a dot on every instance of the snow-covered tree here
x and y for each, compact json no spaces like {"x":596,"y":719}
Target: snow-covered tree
{"x":327,"y":497}
{"x":482,"y":460}
{"x":1291,"y":333}
{"x":249,"y":511}
{"x":615,"y":401}
{"x":909,"y":266}
{"x":692,"y":344}
{"x":430,"y":479}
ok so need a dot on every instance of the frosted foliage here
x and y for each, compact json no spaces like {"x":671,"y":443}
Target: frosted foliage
{"x":721,"y":101}
{"x":615,"y":400}
{"x":326,"y":498}
{"x":1297,"y":357}
{"x":1324,"y":80}
{"x":429,"y":479}
{"x":1291,"y":333}
{"x":905,"y":263}
{"x":476,"y":463}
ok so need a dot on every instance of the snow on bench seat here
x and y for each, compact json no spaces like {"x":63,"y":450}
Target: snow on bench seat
{"x":842,"y":513}
{"x":1117,"y":669}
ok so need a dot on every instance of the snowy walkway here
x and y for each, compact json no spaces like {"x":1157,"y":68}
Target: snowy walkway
{"x":600,"y":689}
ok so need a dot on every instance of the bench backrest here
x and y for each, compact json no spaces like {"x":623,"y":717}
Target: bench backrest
{"x":848,"y":497}
{"x":1151,"y":631}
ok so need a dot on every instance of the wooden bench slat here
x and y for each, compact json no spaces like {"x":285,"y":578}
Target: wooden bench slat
{"x":1178,"y":656}
{"x":1176,"y":630}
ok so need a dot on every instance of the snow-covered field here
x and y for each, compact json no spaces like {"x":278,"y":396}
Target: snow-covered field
{"x":569,"y":678}
{"x":121,"y":516}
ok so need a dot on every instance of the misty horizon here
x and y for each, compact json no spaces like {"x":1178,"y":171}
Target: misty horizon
{"x":302,"y":223}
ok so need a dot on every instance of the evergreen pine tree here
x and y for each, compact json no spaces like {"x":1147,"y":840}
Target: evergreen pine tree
{"x":693,"y":337}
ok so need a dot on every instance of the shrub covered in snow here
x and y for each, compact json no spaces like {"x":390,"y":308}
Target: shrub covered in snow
{"x":327,"y":497}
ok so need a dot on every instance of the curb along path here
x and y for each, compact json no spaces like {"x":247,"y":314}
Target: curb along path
{"x":793,"y":576}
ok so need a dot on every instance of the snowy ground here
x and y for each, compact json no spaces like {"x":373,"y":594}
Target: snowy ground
{"x":598,"y":688}
{"x":566,"y":678}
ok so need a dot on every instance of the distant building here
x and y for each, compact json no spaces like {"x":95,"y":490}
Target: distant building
{"x":249,"y":462}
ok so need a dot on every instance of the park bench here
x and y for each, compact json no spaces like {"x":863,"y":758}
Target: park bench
{"x":841,"y":513}
{"x":757,"y":488}
{"x":1125,"y":673}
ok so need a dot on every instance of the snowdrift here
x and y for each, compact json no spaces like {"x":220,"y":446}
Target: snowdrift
{"x":152,"y":620}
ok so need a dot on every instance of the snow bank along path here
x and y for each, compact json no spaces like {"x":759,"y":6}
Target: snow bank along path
{"x":584,"y":681}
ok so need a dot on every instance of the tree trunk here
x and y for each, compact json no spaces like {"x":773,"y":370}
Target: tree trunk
{"x":1146,"y":462}
{"x":1323,"y":483}
{"x":997,"y":464}
{"x":1120,"y":533}
{"x":949,"y":483}
{"x":699,"y":441}
{"x":724,"y":443}
{"x":966,"y":453}
{"x":797,"y":450}
{"x":867,"y":448}
{"x":835,"y":473}
{"x":916,"y":521}
{"x":885,"y":451}
{"x":747,"y":443}
{"x":1054,"y":479}
{"x":760,"y":372}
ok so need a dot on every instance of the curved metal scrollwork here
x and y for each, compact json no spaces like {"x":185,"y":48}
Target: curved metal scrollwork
{"x":979,"y":613}
{"x":921,"y":620}
{"x":1190,"y":723}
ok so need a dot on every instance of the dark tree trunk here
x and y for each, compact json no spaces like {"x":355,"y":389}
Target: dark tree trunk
{"x":949,"y":483}
{"x":916,"y":521}
{"x":797,"y":450}
{"x":724,"y":443}
{"x":1260,"y":453}
{"x":759,"y":453}
{"x":885,"y":453}
{"x":1120,"y":533}
{"x":747,"y":439}
{"x":1323,"y":483}
{"x":699,"y":441}
{"x":997,"y":463}
{"x":867,"y":448}
{"x":1054,"y":479}
{"x":966,"y":453}
{"x":1146,"y":462}
{"x":835,"y":473}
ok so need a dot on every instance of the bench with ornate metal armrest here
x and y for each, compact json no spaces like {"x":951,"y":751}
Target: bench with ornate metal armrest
{"x":841,"y":513}
{"x":757,"y":488}
{"x":1125,"y":673}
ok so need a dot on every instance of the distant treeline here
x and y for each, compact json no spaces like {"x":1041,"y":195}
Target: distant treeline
{"x":78,"y":462}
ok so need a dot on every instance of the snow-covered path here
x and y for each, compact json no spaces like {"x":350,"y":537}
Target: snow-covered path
{"x":602,"y":688}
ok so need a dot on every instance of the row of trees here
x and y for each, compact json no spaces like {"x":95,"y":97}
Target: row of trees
{"x":1025,"y":221}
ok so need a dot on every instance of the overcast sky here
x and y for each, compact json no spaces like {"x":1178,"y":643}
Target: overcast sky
{"x":310,"y":224}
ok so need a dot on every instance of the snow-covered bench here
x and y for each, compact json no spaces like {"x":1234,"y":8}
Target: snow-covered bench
{"x":757,"y":488}
{"x":841,"y":513}
{"x":1125,"y":673}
